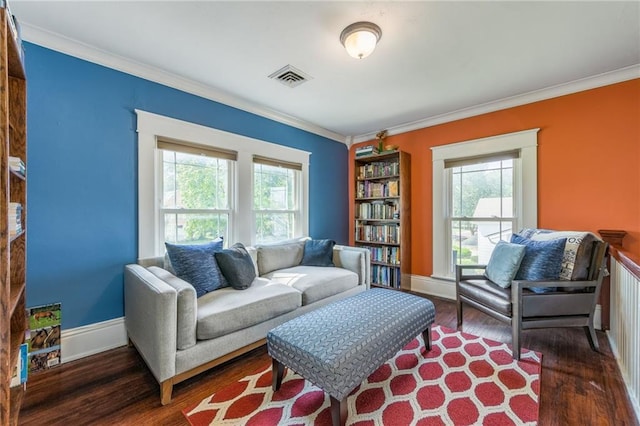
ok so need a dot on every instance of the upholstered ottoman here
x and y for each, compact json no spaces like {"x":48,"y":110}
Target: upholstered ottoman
{"x":339,"y":345}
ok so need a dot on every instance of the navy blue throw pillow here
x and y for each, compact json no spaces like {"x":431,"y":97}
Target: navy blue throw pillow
{"x":542,"y":261}
{"x":237,"y":266}
{"x":197,"y":265}
{"x":318,"y":253}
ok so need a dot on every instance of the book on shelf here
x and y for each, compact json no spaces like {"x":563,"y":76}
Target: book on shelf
{"x":17,"y":165}
{"x":366,"y":150}
{"x":20,"y":371}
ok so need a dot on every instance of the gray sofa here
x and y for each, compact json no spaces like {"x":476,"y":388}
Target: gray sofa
{"x":179,"y":335}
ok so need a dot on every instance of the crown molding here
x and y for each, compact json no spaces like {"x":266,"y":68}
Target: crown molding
{"x":75,"y":48}
{"x":604,"y":79}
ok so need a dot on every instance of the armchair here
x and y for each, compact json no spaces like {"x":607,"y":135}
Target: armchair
{"x":571,"y":304}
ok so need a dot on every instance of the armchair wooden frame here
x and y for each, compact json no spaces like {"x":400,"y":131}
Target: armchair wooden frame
{"x":562,"y":308}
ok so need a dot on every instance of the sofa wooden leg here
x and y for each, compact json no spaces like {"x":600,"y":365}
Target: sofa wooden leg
{"x":166,"y":388}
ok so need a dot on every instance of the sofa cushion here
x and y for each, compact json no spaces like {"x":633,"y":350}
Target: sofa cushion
{"x":236,"y":266}
{"x":577,"y":250}
{"x":504,"y":263}
{"x":227,"y":310}
{"x":315,"y":282}
{"x":278,"y":256}
{"x":186,"y":309}
{"x":197,"y":265}
{"x":542,"y":261}
{"x":318,"y":253}
{"x":487,"y":293}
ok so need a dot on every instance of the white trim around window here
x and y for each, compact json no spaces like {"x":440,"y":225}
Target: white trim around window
{"x":151,"y":126}
{"x":525,"y":204}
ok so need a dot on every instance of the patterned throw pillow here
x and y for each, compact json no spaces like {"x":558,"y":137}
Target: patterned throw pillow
{"x":237,"y":266}
{"x":542,"y":261}
{"x":504,"y":263}
{"x":197,"y":265}
{"x":318,"y":253}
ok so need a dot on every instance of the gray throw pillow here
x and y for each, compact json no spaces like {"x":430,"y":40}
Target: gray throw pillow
{"x":318,"y":253}
{"x":542,"y":261}
{"x":504,"y":263}
{"x":237,"y":266}
{"x":196,"y":265}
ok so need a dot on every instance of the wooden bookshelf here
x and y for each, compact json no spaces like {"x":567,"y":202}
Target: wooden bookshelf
{"x":13,"y":189}
{"x":382,"y":210}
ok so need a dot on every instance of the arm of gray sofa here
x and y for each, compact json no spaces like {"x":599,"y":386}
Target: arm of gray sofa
{"x":355,"y":259}
{"x":150,"y":309}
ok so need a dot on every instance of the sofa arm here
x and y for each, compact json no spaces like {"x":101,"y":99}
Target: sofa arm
{"x":150,"y":309}
{"x":355,"y":259}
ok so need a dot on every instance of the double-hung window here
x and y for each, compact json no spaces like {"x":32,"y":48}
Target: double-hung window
{"x":276,"y":199}
{"x":481,"y":209}
{"x":196,"y":204}
{"x":483,"y":191}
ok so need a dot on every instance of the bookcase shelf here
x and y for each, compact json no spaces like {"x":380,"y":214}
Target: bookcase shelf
{"x":382,"y":209}
{"x":13,"y":143}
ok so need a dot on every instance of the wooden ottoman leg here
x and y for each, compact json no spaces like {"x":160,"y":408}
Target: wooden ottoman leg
{"x":277,"y":371}
{"x":426,"y":336}
{"x":339,"y":411}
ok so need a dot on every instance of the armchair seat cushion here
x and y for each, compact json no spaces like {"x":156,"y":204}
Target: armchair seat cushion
{"x":488,"y":294}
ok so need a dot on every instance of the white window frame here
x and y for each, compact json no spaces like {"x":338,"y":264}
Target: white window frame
{"x":525,"y":186}
{"x":151,"y":126}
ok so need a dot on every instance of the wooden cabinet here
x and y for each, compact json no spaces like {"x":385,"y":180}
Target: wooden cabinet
{"x":382,"y":210}
{"x":13,"y":198}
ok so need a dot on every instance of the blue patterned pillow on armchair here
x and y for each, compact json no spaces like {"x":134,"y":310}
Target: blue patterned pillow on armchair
{"x":542,"y":261}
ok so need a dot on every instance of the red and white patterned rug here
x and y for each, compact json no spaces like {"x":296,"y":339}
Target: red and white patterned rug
{"x":463,"y":380}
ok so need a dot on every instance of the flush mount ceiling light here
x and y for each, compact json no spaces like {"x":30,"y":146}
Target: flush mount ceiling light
{"x":360,"y":39}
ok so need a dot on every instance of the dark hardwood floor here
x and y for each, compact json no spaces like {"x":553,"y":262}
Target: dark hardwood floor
{"x":578,"y":386}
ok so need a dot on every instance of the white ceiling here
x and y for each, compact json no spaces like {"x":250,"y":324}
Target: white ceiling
{"x":434,"y":60}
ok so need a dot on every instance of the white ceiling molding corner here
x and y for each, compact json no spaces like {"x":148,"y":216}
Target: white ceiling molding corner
{"x":78,"y":49}
{"x":605,"y":79}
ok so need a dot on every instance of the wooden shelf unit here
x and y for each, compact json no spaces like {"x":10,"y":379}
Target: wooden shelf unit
{"x":13,"y":189}
{"x":382,"y":216}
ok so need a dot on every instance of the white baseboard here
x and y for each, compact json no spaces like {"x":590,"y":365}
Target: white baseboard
{"x":433,"y":287}
{"x":91,"y":339}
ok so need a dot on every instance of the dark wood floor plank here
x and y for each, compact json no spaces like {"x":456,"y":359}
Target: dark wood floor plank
{"x":578,"y":386}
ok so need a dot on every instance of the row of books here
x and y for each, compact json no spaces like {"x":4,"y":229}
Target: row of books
{"x":389,"y":276}
{"x":388,"y":233}
{"x":379,"y":169}
{"x":15,"y":218}
{"x":385,"y":254}
{"x":17,"y":165}
{"x":378,"y":210}
{"x":368,"y":189}
{"x":362,"y":151}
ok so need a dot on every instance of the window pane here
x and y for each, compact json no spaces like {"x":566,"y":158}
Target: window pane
{"x":195,"y":228}
{"x":194,"y":181}
{"x":474,"y":241}
{"x":272,"y":227}
{"x":483,"y":190}
{"x":274,"y":187}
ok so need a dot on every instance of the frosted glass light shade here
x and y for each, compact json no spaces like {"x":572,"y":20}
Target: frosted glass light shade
{"x":360,"y":39}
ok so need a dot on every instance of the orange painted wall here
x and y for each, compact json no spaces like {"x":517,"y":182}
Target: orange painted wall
{"x":588,"y":163}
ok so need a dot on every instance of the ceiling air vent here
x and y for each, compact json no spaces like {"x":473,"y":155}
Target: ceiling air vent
{"x":290,"y":76}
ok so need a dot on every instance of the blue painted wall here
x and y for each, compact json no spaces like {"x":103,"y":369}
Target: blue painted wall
{"x":82,"y":168}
